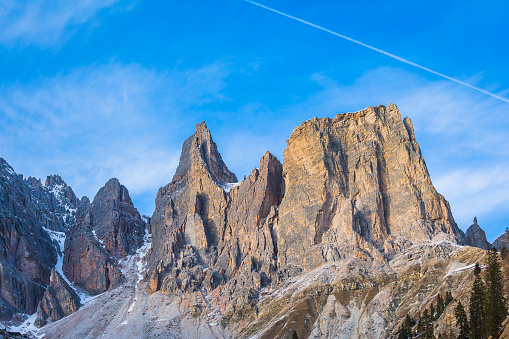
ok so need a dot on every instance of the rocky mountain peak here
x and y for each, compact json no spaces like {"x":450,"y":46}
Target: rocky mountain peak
{"x":107,"y":230}
{"x":200,"y":157}
{"x":113,"y":191}
{"x":114,"y":219}
{"x":6,"y":170}
{"x":56,"y":201}
{"x":54,"y":180}
{"x":358,"y":176}
{"x":476,"y":237}
{"x":502,"y":241}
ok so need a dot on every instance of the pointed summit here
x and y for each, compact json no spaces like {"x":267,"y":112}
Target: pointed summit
{"x":476,"y":237}
{"x":55,"y":179}
{"x":200,"y":156}
{"x":115,"y":220}
{"x":113,"y":190}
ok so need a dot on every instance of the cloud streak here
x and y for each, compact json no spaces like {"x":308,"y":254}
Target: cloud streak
{"x":408,"y":62}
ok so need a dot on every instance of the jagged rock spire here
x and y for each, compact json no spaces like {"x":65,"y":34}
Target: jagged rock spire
{"x":476,"y":237}
{"x":200,"y":154}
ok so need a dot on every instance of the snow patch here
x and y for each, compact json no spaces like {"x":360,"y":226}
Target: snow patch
{"x":9,"y":170}
{"x":27,"y":327}
{"x":60,"y":238}
{"x":456,"y":267}
{"x":228,"y":186}
{"x":96,"y":238}
{"x":132,"y":305}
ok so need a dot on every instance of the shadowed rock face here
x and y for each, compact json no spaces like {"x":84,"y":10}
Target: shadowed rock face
{"x":116,"y":221}
{"x":502,"y":241}
{"x":58,"y":301}
{"x":108,"y":229}
{"x":56,"y":202}
{"x":27,"y":254}
{"x":207,"y":229}
{"x":87,"y":263}
{"x":475,"y":236}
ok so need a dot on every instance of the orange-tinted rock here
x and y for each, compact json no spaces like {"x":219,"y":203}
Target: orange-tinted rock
{"x":203,"y":218}
{"x":357,"y":178}
{"x":87,"y":263}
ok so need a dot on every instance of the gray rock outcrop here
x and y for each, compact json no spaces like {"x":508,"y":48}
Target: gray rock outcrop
{"x":502,"y":241}
{"x":59,"y":301}
{"x":476,"y":237}
{"x":28,"y":253}
{"x":56,"y":202}
{"x":107,"y":229}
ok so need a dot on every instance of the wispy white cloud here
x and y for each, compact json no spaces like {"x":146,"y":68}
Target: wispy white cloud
{"x":481,"y":189}
{"x":46,"y":22}
{"x":98,"y":122}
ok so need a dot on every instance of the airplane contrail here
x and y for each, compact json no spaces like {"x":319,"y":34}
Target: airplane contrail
{"x":380,"y":51}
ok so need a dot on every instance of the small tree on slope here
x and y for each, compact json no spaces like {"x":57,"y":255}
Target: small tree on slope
{"x":478,"y":326}
{"x":496,"y":309}
{"x":462,"y":321}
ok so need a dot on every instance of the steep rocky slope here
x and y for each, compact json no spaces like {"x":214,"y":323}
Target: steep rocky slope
{"x":358,"y":178}
{"x":59,"y":301}
{"x":56,"y":202}
{"x":34,"y":221}
{"x":106,"y":230}
{"x":28,"y":254}
{"x":502,"y":241}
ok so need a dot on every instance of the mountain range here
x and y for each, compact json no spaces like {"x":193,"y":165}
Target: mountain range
{"x":342,"y":239}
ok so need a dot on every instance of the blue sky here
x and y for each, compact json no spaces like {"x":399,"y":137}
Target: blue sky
{"x":112,"y":88}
